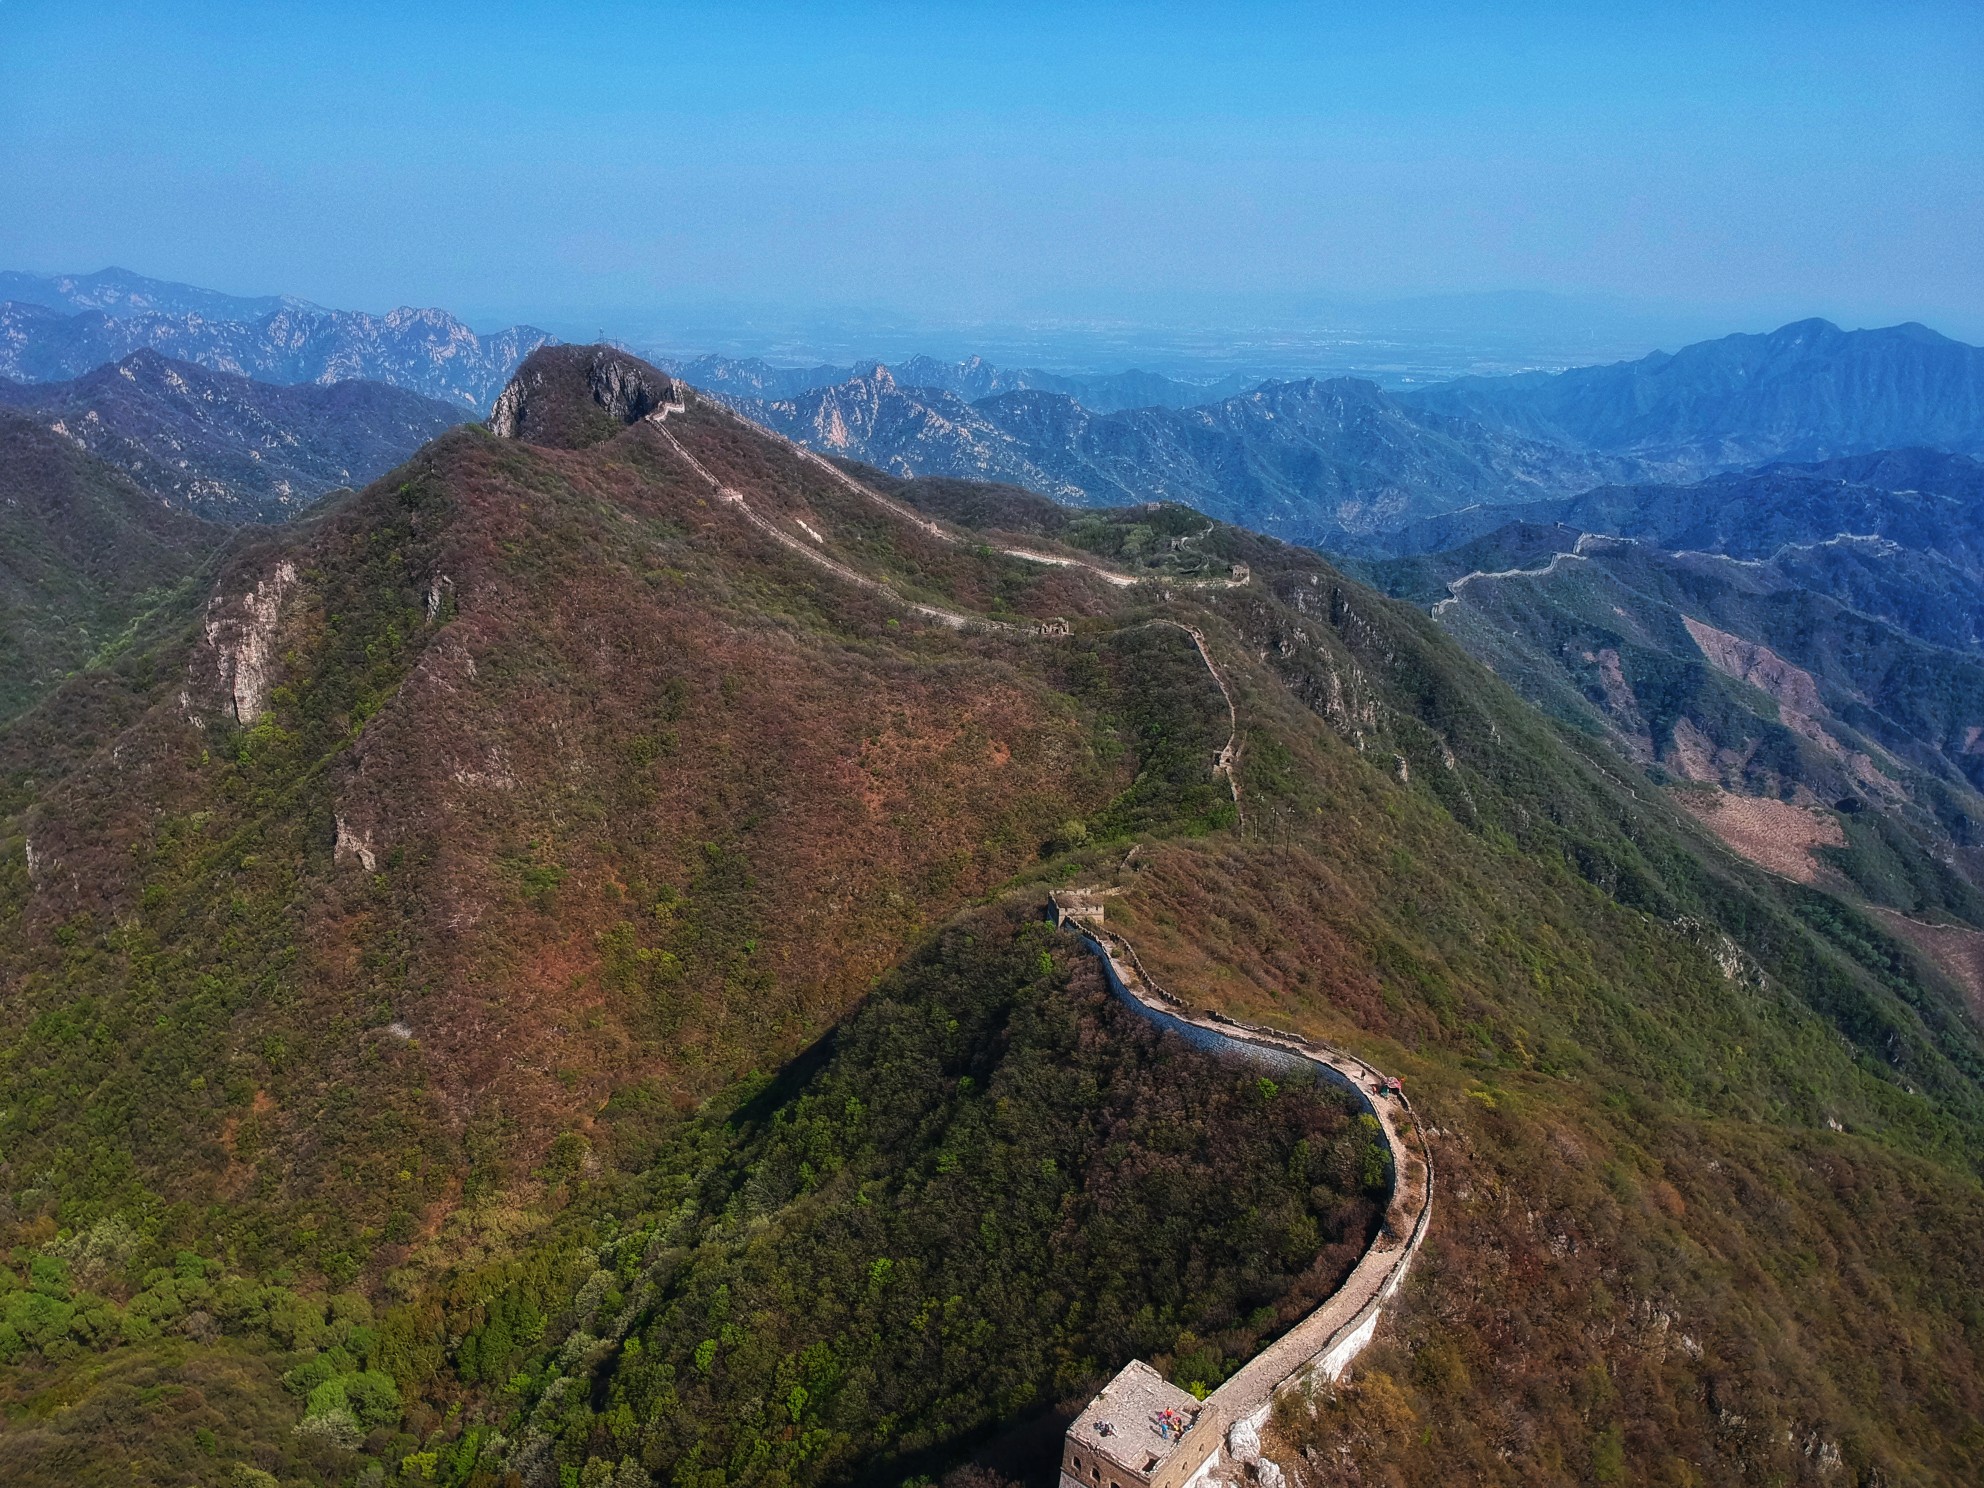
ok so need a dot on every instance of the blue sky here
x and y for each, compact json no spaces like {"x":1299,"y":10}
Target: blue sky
{"x":988,"y":163}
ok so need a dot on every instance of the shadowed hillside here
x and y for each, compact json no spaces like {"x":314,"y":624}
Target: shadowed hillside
{"x":84,"y":557}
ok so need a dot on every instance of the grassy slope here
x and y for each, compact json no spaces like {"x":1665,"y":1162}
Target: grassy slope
{"x":738,"y":793}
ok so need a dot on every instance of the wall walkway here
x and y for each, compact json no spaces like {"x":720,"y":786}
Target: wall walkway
{"x":1324,"y":1342}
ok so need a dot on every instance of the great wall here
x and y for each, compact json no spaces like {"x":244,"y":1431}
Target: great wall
{"x":1141,"y":1431}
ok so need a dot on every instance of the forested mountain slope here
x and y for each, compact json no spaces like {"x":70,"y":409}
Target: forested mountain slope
{"x":228,"y":448}
{"x":1807,"y":636}
{"x":85,"y":556}
{"x":408,"y":948}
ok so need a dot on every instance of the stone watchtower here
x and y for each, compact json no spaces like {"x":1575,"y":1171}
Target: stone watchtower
{"x":1142,"y":1431}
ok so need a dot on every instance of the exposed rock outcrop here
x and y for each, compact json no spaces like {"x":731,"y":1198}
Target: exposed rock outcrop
{"x":569,"y":397}
{"x":354,"y":846}
{"x":242,"y":638}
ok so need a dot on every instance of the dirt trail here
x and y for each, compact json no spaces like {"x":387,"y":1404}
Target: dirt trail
{"x":1225,"y":762}
{"x":955,"y":619}
{"x":943,"y":534}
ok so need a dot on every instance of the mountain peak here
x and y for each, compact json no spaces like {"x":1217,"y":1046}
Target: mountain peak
{"x":569,"y":397}
{"x":1811,"y":325}
{"x":144,"y":359}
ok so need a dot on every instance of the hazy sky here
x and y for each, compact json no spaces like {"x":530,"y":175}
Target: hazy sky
{"x":1004,"y":160}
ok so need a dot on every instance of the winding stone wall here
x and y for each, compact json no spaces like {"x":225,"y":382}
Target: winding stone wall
{"x":1322,"y":1344}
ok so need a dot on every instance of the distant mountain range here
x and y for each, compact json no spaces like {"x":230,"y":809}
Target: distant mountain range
{"x":1336,"y":463}
{"x":123,"y":293}
{"x":229,"y":448}
{"x":1308,"y":461}
{"x":970,"y":379}
{"x":1341,"y":463}
{"x":53,"y":329}
{"x":1919,"y":498}
{"x":1807,"y":391}
{"x":1808,"y":638}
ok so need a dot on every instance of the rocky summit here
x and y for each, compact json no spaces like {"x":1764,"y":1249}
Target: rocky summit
{"x":567,"y":397}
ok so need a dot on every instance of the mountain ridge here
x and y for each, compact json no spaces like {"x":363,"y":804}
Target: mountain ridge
{"x":401,"y":938}
{"x":1810,"y":637}
{"x":1925,"y":497}
{"x":229,"y":448}
{"x":116,"y":291}
{"x":1805,"y":391}
{"x":424,"y":351}
{"x":1302,"y":460}
{"x":970,"y":378}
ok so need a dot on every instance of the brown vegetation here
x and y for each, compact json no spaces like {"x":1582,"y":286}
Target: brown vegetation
{"x":1777,"y":835}
{"x":635,"y":803}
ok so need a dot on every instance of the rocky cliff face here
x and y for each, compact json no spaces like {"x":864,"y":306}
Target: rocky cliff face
{"x":569,"y":397}
{"x":240,"y":636}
